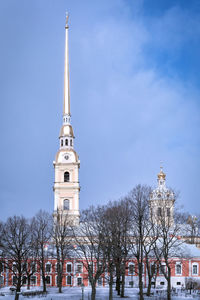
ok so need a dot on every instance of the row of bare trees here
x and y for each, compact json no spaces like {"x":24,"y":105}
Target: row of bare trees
{"x":106,"y":239}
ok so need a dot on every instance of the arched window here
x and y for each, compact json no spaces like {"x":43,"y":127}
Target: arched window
{"x":66,"y":142}
{"x":61,"y":143}
{"x":178,"y":269}
{"x":66,"y":204}
{"x":70,"y":142}
{"x":66,"y":176}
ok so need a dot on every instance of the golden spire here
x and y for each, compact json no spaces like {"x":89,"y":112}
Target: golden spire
{"x":66,"y":109}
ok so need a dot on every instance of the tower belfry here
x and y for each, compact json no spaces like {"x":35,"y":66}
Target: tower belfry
{"x":161,"y":201}
{"x":66,"y":164}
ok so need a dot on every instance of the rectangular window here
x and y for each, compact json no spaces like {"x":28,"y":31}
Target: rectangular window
{"x":131,"y":283}
{"x":79,"y":281}
{"x":69,"y":280}
{"x":178,"y":283}
{"x":48,"y":279}
{"x":159,"y":212}
{"x":131,"y":269}
{"x":79,"y":268}
{"x":162,"y":283}
{"x":69,"y":268}
{"x":194,"y":270}
{"x":48,"y":268}
{"x":33,"y":280}
{"x":178,"y":269}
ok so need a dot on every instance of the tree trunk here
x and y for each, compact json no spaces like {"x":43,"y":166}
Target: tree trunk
{"x":93,"y":294}
{"x":18,"y":288}
{"x":149,"y":286}
{"x":118,"y":278}
{"x":43,"y":279}
{"x":140,"y":282}
{"x":169,"y":284}
{"x":111,"y":286}
{"x":29,"y":282}
{"x":59,"y":283}
{"x":123,"y":285}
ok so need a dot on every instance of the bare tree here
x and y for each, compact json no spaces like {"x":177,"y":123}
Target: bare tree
{"x":16,"y":244}
{"x":89,"y":241}
{"x":42,"y":230}
{"x":140,"y":231}
{"x":168,"y":244}
{"x":62,"y":242}
{"x":115,"y":222}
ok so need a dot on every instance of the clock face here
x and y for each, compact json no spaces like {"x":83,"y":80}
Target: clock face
{"x":66,"y":157}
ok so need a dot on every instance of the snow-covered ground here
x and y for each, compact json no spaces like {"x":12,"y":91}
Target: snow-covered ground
{"x":102,"y":294}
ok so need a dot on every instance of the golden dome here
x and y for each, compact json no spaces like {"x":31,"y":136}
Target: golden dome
{"x":161,"y":175}
{"x":67,"y":130}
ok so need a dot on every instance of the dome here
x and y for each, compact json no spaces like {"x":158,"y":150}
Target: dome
{"x":161,"y":175}
{"x":67,"y":130}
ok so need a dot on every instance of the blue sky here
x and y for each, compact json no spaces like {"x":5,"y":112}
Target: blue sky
{"x":134,"y":80}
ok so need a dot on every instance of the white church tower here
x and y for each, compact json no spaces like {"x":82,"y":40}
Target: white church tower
{"x":66,"y":164}
{"x":161,"y":201}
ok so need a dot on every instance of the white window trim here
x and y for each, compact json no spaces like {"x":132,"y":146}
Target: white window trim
{"x":131,"y":264}
{"x":71,"y":280}
{"x":77,"y":268}
{"x":195,"y":264}
{"x":69,"y":263}
{"x":81,"y":280}
{"x":48,"y":263}
{"x":178,"y":274}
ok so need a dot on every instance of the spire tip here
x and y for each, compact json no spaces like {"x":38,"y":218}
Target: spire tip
{"x":67,"y":18}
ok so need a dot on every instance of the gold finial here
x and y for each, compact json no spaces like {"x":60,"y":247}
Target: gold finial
{"x":67,"y":18}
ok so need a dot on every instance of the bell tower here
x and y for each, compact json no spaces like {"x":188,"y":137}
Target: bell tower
{"x":161,"y":201}
{"x":66,"y":164}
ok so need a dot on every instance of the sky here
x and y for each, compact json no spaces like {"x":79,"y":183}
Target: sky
{"x":135,"y":89}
